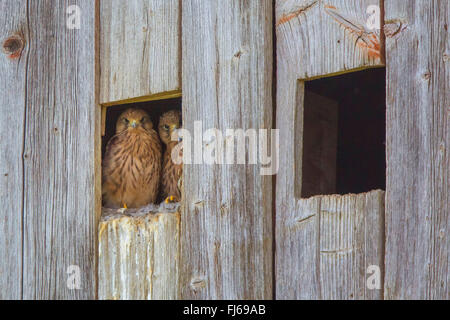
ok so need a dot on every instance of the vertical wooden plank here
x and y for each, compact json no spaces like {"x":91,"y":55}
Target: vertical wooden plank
{"x":301,"y":255}
{"x":350,"y":240}
{"x":139,"y":48}
{"x":373,"y":237}
{"x":139,"y":257}
{"x":418,"y":136}
{"x":227,"y":83}
{"x":314,"y":39}
{"x":62,"y":127}
{"x":13,"y":68}
{"x":140,"y":56}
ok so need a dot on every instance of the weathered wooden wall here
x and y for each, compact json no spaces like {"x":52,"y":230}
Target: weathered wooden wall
{"x":226,"y":244}
{"x":314,"y":39}
{"x":139,"y":48}
{"x":337,"y":239}
{"x":139,"y":257}
{"x":418,"y":136}
{"x":48,"y":121}
{"x":50,"y":127}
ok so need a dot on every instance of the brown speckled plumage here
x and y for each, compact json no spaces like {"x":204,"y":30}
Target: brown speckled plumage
{"x":132,"y":162}
{"x":171,"y":172}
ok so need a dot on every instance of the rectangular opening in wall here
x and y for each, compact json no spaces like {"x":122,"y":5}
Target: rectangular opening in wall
{"x":129,"y":154}
{"x":344,"y":126}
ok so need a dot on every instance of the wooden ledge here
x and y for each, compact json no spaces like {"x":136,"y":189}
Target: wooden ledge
{"x":139,"y":253}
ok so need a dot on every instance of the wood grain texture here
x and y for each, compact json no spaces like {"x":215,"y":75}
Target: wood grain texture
{"x":227,"y":216}
{"x":13,"y":20}
{"x":318,"y":38}
{"x":351,"y":238}
{"x":333,"y":240}
{"x":139,"y":48}
{"x":139,"y":257}
{"x":62,"y":124}
{"x":418,"y":136}
{"x":312,"y":42}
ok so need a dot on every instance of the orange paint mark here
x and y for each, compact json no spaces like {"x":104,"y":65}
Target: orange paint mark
{"x":14,"y":55}
{"x":289,"y":16}
{"x":369,"y":41}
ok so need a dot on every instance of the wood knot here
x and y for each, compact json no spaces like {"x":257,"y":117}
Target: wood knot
{"x":197,"y":284}
{"x":223,"y":209}
{"x":393,"y":28}
{"x":426,"y":76}
{"x":238,"y":54}
{"x":446,"y":56}
{"x":199,"y":203}
{"x":13,"y":46}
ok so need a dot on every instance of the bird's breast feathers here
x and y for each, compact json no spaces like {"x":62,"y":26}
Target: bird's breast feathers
{"x":133,"y":157}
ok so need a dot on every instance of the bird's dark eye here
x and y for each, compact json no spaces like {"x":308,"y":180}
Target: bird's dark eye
{"x":143,"y":119}
{"x":166,"y":127}
{"x":126,"y":120}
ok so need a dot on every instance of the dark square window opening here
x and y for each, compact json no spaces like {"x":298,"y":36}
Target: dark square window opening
{"x":154,"y":108}
{"x":344,"y":130}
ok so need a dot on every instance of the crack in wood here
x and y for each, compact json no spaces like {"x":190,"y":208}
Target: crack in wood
{"x":197,"y":284}
{"x":338,"y":251}
{"x":302,"y":220}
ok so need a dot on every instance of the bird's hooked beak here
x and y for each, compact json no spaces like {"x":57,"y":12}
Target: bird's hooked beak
{"x":133,"y":124}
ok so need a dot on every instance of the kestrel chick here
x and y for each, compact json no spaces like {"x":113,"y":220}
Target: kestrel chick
{"x":132,"y":162}
{"x":169,"y":123}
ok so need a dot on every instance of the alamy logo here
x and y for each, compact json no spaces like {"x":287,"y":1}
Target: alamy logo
{"x":213,"y":146}
{"x":374,"y":280}
{"x":73,"y":20}
{"x":373,"y":22}
{"x":74,"y":278}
